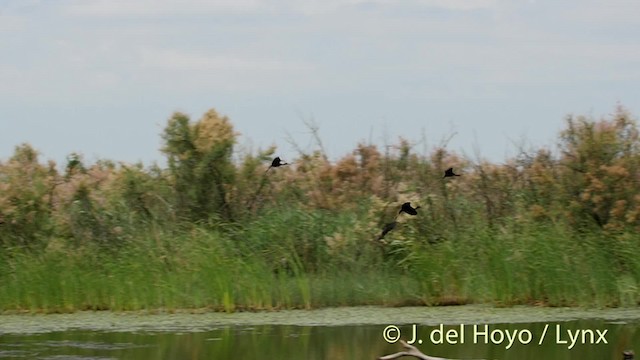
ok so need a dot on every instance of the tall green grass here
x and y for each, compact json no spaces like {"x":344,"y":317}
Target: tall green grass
{"x":542,"y":265}
{"x":260,"y":267}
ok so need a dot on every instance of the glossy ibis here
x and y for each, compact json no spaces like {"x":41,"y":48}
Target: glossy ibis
{"x":385,"y":230}
{"x":449,"y":173}
{"x":277,"y":162}
{"x":407,"y":208}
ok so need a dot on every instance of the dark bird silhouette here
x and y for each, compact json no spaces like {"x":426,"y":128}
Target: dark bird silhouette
{"x":449,"y":173}
{"x":406,"y":207}
{"x":385,"y":230}
{"x":277,"y":162}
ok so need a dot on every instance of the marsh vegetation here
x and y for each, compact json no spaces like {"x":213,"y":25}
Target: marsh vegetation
{"x":213,"y":229}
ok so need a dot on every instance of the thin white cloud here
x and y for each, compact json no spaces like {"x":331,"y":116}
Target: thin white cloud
{"x":151,"y":8}
{"x":321,"y":7}
{"x":183,"y":60}
{"x":24,"y":85}
{"x":12,"y":23}
{"x":9,"y":79}
{"x":599,"y":11}
{"x":462,"y":5}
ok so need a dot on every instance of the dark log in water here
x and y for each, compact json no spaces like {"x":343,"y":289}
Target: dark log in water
{"x":411,"y":351}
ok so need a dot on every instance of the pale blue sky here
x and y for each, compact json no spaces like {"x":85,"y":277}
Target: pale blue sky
{"x":101,"y":77}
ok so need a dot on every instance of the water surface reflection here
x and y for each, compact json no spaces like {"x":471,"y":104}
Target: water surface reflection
{"x":313,"y":343}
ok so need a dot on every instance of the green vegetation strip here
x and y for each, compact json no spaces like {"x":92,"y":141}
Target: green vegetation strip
{"x":160,"y":321}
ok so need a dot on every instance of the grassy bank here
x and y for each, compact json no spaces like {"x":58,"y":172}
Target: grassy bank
{"x":230,"y":271}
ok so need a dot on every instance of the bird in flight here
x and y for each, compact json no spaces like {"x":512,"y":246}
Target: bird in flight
{"x":277,"y":162}
{"x":407,"y":208}
{"x":388,"y":227}
{"x":449,"y":173}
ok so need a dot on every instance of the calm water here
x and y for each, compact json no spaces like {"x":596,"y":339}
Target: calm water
{"x":328,"y":342}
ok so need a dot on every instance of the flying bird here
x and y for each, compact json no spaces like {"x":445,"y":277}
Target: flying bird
{"x":277,"y":162}
{"x":407,"y":208}
{"x":449,"y":173}
{"x":385,"y":230}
